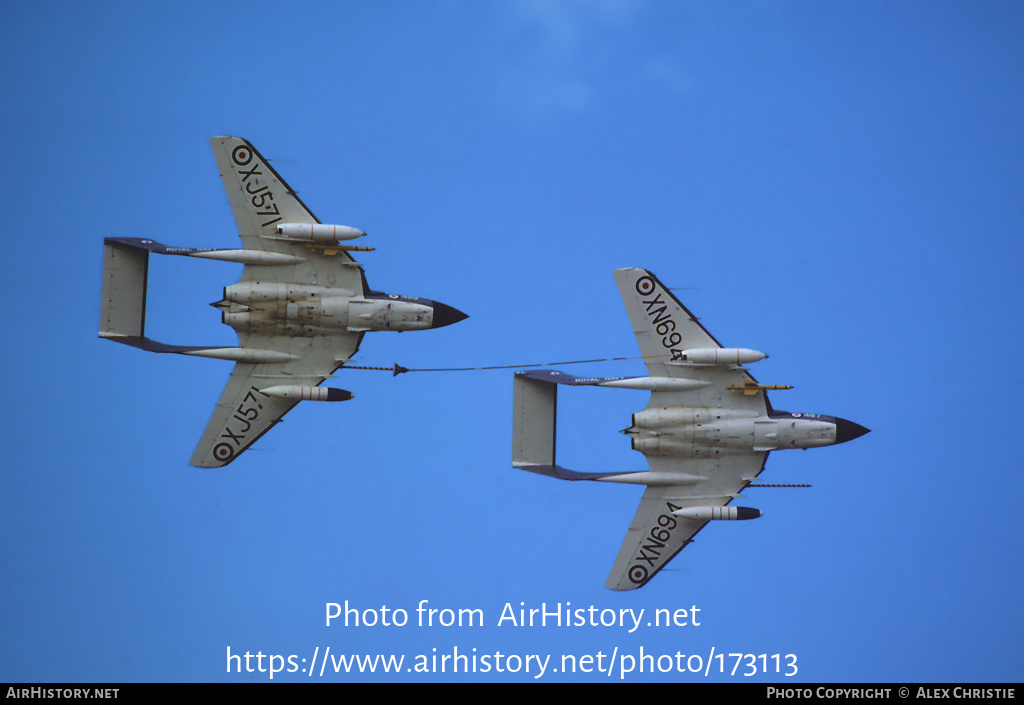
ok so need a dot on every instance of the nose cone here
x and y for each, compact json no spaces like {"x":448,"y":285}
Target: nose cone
{"x":848,"y":430}
{"x":445,"y":315}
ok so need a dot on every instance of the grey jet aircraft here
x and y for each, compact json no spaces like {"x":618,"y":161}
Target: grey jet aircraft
{"x":300,"y":309}
{"x":706,"y":431}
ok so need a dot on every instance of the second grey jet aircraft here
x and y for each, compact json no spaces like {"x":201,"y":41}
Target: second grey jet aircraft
{"x":706,"y":432}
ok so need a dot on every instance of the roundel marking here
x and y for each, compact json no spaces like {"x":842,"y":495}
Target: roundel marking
{"x":223,"y":452}
{"x":644,"y":285}
{"x":637,"y":574}
{"x":241,"y":155}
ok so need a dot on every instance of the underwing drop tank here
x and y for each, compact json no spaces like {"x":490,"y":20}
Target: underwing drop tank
{"x":308,"y":393}
{"x":317,"y":232}
{"x":716,"y":513}
{"x":720,"y":356}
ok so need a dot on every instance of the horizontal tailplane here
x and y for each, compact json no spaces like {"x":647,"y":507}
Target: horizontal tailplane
{"x":534,"y":410}
{"x":123,"y":303}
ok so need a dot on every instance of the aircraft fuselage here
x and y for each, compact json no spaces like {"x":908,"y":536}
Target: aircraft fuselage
{"x":703,"y":432}
{"x":285,"y":309}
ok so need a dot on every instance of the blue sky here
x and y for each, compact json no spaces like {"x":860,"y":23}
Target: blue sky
{"x":836,"y":184}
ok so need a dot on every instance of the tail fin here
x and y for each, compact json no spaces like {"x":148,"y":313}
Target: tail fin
{"x":123,"y":304}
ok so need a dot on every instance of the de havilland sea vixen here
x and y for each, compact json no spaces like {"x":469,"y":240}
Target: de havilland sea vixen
{"x":300,"y":308}
{"x":707,"y":429}
{"x":303,"y":304}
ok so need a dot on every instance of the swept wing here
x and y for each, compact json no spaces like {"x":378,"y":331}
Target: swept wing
{"x":664,"y":330}
{"x":244,"y":413}
{"x":260,"y":201}
{"x":656,"y":533}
